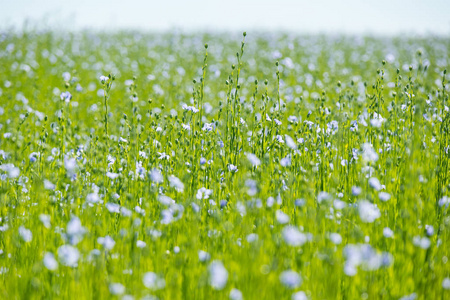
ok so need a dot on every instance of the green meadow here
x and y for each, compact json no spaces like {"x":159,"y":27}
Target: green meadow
{"x":223,"y":166}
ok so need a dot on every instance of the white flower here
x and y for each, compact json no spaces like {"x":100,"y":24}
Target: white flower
{"x":332,"y":127}
{"x":375,"y":183}
{"x":125,"y":212}
{"x":34,"y":156}
{"x":252,"y":187}
{"x":339,"y":204}
{"x":323,"y":196}
{"x":165,"y":200}
{"x":75,"y":231}
{"x":104,"y":79}
{"x":299,"y":296}
{"x":25,"y":234}
{"x":203,"y":256}
{"x":286,"y":161}
{"x":45,"y":219}
{"x":66,"y":76}
{"x":293,"y":119}
{"x":50,"y":262}
{"x":107,"y":242}
{"x":232,"y":168}
{"x":412,"y":296}
{"x":173,"y":213}
{"x":335,"y":238}
{"x":444,"y":201}
{"x":366,"y":257}
{"x":377,"y":120}
{"x":354,"y":126}
{"x":111,"y":175}
{"x":236,"y":294}
{"x":208,"y":127}
{"x":356,"y":190}
{"x":293,"y":237}
{"x":93,"y":198}
{"x":218,"y":275}
{"x":163,"y":155}
{"x":203,"y":193}
{"x":252,"y":237}
{"x":384,"y":196}
{"x":176,"y":183}
{"x":446,"y":283}
{"x":387,"y":232}
{"x":253,"y":159}
{"x":153,"y":281}
{"x":369,"y":154}
{"x":429,"y":230}
{"x":190,"y":108}
{"x":65,"y":96}
{"x":70,"y":164}
{"x":116,"y":289}
{"x":113,"y":207}
{"x":422,"y":242}
{"x":240,"y":207}
{"x":368,"y":212}
{"x":12,"y":171}
{"x":68,"y":255}
{"x":156,"y":176}
{"x":290,"y":279}
{"x":281,"y":217}
{"x":48,"y":185}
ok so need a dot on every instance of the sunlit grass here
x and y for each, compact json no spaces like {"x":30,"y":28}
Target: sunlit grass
{"x":267,"y":166}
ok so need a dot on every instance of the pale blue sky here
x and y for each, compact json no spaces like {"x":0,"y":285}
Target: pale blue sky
{"x":329,"y":16}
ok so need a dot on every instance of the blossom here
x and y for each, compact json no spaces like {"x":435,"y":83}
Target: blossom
{"x":218,"y":275}
{"x":281,"y":217}
{"x":68,"y":255}
{"x":75,"y":231}
{"x":253,"y":159}
{"x":66,"y":97}
{"x":107,"y":242}
{"x":208,"y":126}
{"x":116,"y":289}
{"x":104,"y":79}
{"x":236,"y":294}
{"x":25,"y":234}
{"x":335,"y":238}
{"x":153,"y":282}
{"x":384,"y":196}
{"x":368,"y":212}
{"x":293,"y":237}
{"x":290,"y":142}
{"x":203,"y":256}
{"x":387,"y":232}
{"x":203,"y":193}
{"x":176,"y":183}
{"x":364,"y":256}
{"x":375,"y":183}
{"x":368,"y":153}
{"x":50,"y":262}
{"x":446,"y":283}
{"x":190,"y":108}
{"x":232,"y":168}
{"x":290,"y":279}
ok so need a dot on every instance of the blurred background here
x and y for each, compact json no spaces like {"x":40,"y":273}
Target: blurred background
{"x":381,"y":17}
